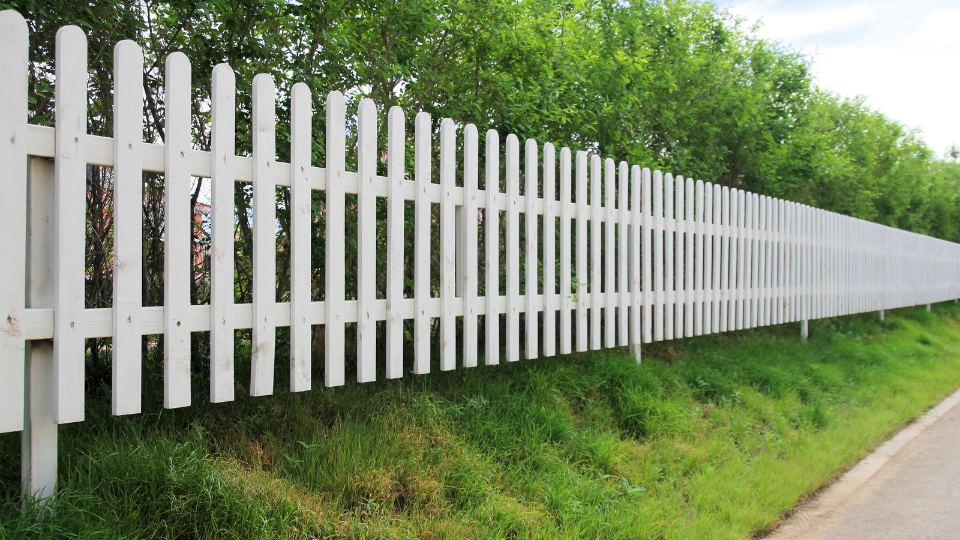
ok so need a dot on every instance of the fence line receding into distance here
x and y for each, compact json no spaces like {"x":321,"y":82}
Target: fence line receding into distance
{"x":627,"y":255}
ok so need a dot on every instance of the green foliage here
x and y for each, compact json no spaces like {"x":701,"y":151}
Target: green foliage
{"x":679,"y":85}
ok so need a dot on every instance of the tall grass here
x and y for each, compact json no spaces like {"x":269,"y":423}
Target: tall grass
{"x":710,"y":437}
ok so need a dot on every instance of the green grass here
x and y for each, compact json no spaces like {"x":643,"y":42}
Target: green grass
{"x":712,"y":437}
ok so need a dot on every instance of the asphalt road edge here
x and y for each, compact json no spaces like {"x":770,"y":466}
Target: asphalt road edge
{"x":807,"y":520}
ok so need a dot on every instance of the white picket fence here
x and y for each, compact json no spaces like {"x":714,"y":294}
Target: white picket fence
{"x":656,"y":256}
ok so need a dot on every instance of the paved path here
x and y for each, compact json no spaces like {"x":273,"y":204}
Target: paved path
{"x":908,"y":489}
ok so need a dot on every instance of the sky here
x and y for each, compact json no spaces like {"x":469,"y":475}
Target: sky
{"x":902,"y":55}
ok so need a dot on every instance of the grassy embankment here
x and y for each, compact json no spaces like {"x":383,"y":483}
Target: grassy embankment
{"x":711,"y":437}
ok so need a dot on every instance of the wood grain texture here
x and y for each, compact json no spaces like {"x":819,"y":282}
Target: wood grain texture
{"x":581,"y":290}
{"x":301,"y":219}
{"x":178,"y":232}
{"x":470,"y":218}
{"x":366,"y":240}
{"x":222,"y":178}
{"x":491,"y":230}
{"x":70,"y":171}
{"x":514,"y":300}
{"x":567,"y":213}
{"x":551,"y":300}
{"x":127,"y":226}
{"x":335,"y":248}
{"x":264,"y":333}
{"x":531,"y":245}
{"x":14,"y":68}
{"x":448,"y":246}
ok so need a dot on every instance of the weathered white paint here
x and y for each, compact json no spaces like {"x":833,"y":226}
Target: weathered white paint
{"x":514,"y":300}
{"x":366,"y":240}
{"x":469,"y":272}
{"x":177,"y":230}
{"x":609,"y":255}
{"x":264,"y":333}
{"x":13,"y":217}
{"x":531,"y":264}
{"x":396,"y":173}
{"x":448,"y":246}
{"x":595,"y":279}
{"x":335,"y":256}
{"x":222,"y":181}
{"x":70,"y":169}
{"x":581,"y":291}
{"x":38,"y":462}
{"x":301,"y":214}
{"x":656,"y":256}
{"x":491,"y":229}
{"x":127,"y":226}
{"x":567,"y":212}
{"x":551,"y":300}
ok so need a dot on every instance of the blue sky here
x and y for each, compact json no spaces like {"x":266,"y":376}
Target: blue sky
{"x":904,"y":56}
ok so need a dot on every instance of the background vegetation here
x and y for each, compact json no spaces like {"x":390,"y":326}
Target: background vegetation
{"x":714,"y":437}
{"x":676,"y":84}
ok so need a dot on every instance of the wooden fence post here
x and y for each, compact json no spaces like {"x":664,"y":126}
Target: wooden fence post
{"x":39,"y":435}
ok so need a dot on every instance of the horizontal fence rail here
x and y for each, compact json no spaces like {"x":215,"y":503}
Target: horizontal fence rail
{"x":613,"y":254}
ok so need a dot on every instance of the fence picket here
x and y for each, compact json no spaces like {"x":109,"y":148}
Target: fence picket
{"x":636,"y":271}
{"x":14,"y":48}
{"x":669,"y":286}
{"x":396,"y":173}
{"x":647,"y":282}
{"x":736,"y":260}
{"x":550,"y":300}
{"x":761,"y":280}
{"x":679,"y":243}
{"x":178,"y":220}
{"x":595,"y":281}
{"x":690,"y":229}
{"x":726,"y":318}
{"x":127,"y":225}
{"x":367,"y":240}
{"x":716,"y":234}
{"x":711,"y":202}
{"x":301,"y":118}
{"x":469,"y":283}
{"x":698,"y":315}
{"x":222,"y":141}
{"x":70,"y":170}
{"x":448,"y":245}
{"x":659,"y":234}
{"x":335,"y":252}
{"x":581,"y":240}
{"x":781,"y":262}
{"x":513,"y":248}
{"x":531,"y":279}
{"x":609,"y":256}
{"x":263,"y":336}
{"x":567,"y":212}
{"x":491,"y":229}
{"x":623,"y":235}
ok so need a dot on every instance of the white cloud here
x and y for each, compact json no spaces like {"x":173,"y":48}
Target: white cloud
{"x":900,"y":55}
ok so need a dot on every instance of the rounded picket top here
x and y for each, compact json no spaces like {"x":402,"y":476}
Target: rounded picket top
{"x":127,"y":52}
{"x":301,"y":90}
{"x":13,"y":28}
{"x":367,"y":107}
